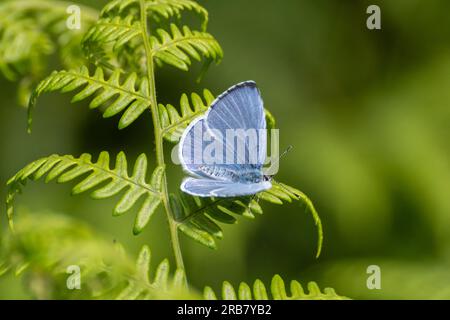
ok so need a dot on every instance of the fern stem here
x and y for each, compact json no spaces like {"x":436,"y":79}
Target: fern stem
{"x":159,"y":139}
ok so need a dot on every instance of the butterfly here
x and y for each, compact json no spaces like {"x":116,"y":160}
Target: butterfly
{"x":234,"y":162}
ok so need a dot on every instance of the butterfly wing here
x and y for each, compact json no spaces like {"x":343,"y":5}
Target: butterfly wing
{"x":192,"y":156}
{"x":190,"y":152}
{"x":221,"y":189}
{"x":240,"y":107}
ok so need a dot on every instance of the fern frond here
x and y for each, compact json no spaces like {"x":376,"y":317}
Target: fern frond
{"x":198,"y":218}
{"x":45,"y":244}
{"x":112,"y":32}
{"x":277,"y":291}
{"x":142,"y":287}
{"x":179,"y":46}
{"x":27,"y":30}
{"x":129,"y":95}
{"x":280,"y":193}
{"x":174,"y":123}
{"x":97,"y":175}
{"x":163,"y":8}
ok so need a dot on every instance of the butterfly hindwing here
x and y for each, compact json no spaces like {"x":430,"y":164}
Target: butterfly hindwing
{"x":216,"y":188}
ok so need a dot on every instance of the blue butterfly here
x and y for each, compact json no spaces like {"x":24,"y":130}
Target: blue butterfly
{"x":238,"y":108}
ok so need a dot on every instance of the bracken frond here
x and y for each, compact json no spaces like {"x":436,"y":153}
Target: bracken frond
{"x":198,"y":218}
{"x":162,"y":8}
{"x":31,"y":33}
{"x":97,"y":175}
{"x":108,"y":35}
{"x":162,"y":286}
{"x":26,"y":32}
{"x":174,"y":122}
{"x":277,"y":291}
{"x":177,"y":47}
{"x":45,"y":244}
{"x":281,"y":192}
{"x":129,"y":95}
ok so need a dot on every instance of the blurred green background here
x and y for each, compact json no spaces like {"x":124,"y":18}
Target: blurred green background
{"x":367,"y":112}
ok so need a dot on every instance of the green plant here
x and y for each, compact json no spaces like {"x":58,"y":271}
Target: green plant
{"x":124,"y":47}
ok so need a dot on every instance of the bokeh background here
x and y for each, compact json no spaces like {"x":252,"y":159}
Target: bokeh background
{"x":367,"y":112}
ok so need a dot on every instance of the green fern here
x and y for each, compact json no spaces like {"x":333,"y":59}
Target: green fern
{"x":31,"y":31}
{"x":127,"y":43}
{"x":174,"y":123}
{"x":277,"y":290}
{"x":163,"y":8}
{"x":129,"y":95}
{"x":111,"y":35}
{"x":104,"y":42}
{"x":96,"y":174}
{"x":45,"y":244}
{"x":198,"y":218}
{"x":141,"y":287}
{"x":177,"y":47}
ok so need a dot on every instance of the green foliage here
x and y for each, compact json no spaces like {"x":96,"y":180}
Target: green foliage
{"x":431,"y":276}
{"x":165,"y":9}
{"x":44,"y":245}
{"x":198,"y":218}
{"x":95,"y":175}
{"x":31,"y":31}
{"x":141,"y":287}
{"x":174,"y":122}
{"x":277,"y":290}
{"x":177,"y":47}
{"x":126,"y":43}
{"x":112,"y":41}
{"x":129,"y":95}
{"x":117,"y":39}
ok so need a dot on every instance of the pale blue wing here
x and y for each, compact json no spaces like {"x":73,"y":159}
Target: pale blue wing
{"x":198,"y":162}
{"x":221,"y":189}
{"x":240,"y":107}
{"x":189,"y":153}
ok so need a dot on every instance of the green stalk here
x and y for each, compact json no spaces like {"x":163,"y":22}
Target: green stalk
{"x":159,"y":139}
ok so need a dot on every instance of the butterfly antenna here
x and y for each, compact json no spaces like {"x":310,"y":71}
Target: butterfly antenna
{"x":285,"y":152}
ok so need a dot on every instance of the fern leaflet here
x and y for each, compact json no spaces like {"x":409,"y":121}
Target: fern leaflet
{"x":174,"y":123}
{"x":45,"y":244}
{"x":198,"y":218}
{"x":109,"y":35}
{"x":124,"y":96}
{"x":277,"y":290}
{"x":97,"y":175}
{"x":179,"y":46}
{"x":141,"y":287}
{"x":163,"y":8}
